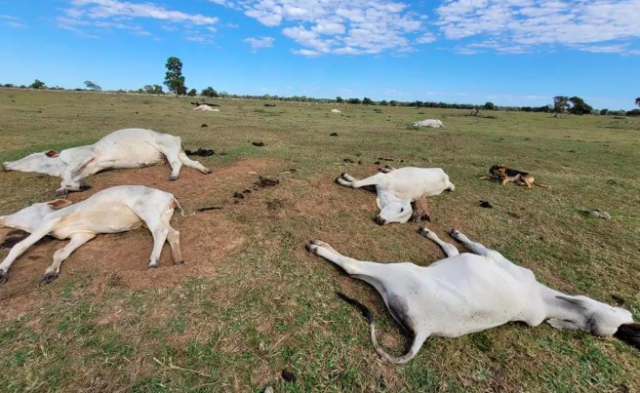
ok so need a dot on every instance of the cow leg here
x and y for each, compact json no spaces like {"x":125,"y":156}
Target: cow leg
{"x":448,"y":248}
{"x":159,"y":233}
{"x":176,"y":165}
{"x":76,"y":242}
{"x":387,"y":169}
{"x":349,"y":265}
{"x":350,"y":181}
{"x":173,"y":237}
{"x":21,"y":247}
{"x":476,"y":248}
{"x":192,"y":164}
{"x":151,"y":215}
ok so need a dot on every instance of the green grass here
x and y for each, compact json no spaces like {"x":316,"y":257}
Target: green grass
{"x":269,"y":306}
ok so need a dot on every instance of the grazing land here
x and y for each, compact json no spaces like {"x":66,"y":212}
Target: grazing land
{"x":250,"y":302}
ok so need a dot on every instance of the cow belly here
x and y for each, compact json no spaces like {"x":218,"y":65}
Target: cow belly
{"x":131,"y":155}
{"x":111,"y":220}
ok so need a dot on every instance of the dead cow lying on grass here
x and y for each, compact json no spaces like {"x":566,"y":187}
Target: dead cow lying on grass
{"x":398,"y":189}
{"x":429,"y":123}
{"x":123,"y":149}
{"x":116,"y":209}
{"x":467,"y":293}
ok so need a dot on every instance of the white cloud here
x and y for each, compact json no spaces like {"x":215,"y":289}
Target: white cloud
{"x":99,"y":9}
{"x":518,"y":26}
{"x":13,"y":21}
{"x":105,"y":15}
{"x":16,"y":25}
{"x":426,"y":38}
{"x":259,"y":42}
{"x":201,"y":39}
{"x":338,"y":27}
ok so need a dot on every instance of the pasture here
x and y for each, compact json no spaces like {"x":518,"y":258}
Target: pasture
{"x":250,"y":302}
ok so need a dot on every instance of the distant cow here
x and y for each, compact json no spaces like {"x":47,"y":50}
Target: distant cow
{"x":398,"y":189}
{"x":128,"y":148}
{"x":431,"y":123}
{"x":116,"y":209}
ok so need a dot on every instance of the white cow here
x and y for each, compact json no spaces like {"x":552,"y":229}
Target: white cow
{"x":397,"y":189}
{"x":431,"y":123}
{"x":128,"y":148}
{"x":116,"y":209}
{"x":467,"y":293}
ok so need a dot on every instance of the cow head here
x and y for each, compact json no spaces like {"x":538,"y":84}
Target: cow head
{"x":31,"y":217}
{"x":393,"y":209}
{"x":46,"y":163}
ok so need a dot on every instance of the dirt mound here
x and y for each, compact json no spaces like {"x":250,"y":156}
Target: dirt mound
{"x":121,"y":260}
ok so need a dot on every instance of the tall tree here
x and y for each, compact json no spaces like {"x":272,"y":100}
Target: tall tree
{"x":157,"y":89}
{"x":173,"y":79}
{"x":192,"y":93}
{"x":367,"y":101}
{"x":37,"y":84}
{"x":560,"y":104}
{"x":638,"y":101}
{"x":579,"y":107}
{"x":92,"y":86}
{"x":209,"y":92}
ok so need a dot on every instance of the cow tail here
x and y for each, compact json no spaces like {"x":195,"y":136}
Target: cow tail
{"x":369,"y":317}
{"x":179,"y":206}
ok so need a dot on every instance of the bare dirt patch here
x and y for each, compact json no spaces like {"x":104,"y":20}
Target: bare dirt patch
{"x":121,"y":260}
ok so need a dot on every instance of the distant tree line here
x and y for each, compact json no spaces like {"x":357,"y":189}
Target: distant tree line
{"x":175,"y":82}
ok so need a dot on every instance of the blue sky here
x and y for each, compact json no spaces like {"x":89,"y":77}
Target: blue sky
{"x":511,"y":52}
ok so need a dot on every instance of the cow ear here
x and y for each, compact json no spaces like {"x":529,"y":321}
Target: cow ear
{"x":576,"y":302}
{"x":57,"y":204}
{"x":51,"y":153}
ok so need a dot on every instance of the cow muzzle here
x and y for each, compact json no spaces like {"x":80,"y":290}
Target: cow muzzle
{"x":379,"y":220}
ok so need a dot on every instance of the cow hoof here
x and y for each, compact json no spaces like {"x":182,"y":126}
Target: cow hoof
{"x":207,"y":171}
{"x":62,"y":192}
{"x":180,"y":262}
{"x":423,"y":230}
{"x":312,"y":248}
{"x":153,"y":266}
{"x":3,"y":277}
{"x":48,"y":278}
{"x":85,"y":187}
{"x":454,"y":234}
{"x":173,"y":178}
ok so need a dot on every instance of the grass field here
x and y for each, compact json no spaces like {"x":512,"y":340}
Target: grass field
{"x":250,"y":302}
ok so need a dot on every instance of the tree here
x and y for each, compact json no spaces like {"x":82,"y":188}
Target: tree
{"x":638,"y":101}
{"x":173,"y":79}
{"x":209,"y":92}
{"x":393,"y":103}
{"x":579,"y":107}
{"x":92,"y":86}
{"x":604,"y":112}
{"x":633,"y":112}
{"x":367,"y":101}
{"x":384,"y":103}
{"x":560,"y":104}
{"x":38,"y":84}
{"x":192,"y":93}
{"x":489,"y":106}
{"x":355,"y":101}
{"x":339,"y":100}
{"x":148,"y":89}
{"x":157,"y":89}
